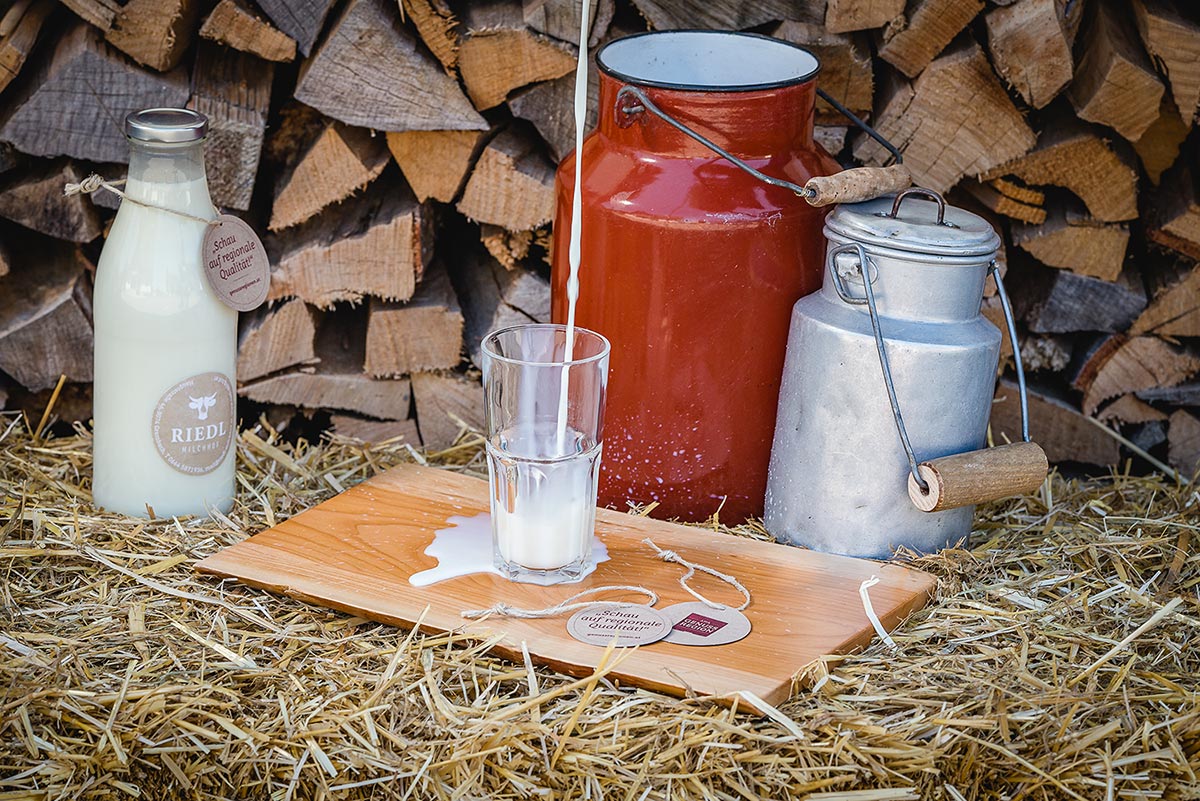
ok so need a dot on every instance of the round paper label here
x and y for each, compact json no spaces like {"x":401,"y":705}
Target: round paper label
{"x":695,"y":623}
{"x":236,"y":264}
{"x":629,"y":625}
{"x":193,"y":423}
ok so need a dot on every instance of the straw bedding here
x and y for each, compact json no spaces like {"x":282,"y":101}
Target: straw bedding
{"x":1057,"y":661}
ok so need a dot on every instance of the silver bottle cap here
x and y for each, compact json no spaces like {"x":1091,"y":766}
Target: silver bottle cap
{"x":166,"y":125}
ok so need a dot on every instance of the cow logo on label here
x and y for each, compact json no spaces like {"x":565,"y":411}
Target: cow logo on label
{"x":193,"y":423}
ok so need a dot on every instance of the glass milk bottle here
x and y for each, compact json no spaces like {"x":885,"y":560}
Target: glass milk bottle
{"x":164,"y":391}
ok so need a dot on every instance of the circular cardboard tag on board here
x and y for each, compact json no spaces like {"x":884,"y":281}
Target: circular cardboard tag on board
{"x":630,"y":625}
{"x":694,"y":623}
{"x":236,"y":264}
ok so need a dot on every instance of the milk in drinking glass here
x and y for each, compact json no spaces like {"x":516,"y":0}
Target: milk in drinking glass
{"x":166,"y":346}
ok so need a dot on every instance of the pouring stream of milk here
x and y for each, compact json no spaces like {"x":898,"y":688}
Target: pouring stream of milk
{"x":576,"y":221}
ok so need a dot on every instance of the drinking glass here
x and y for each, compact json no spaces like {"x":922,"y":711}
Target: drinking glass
{"x":545,"y":419}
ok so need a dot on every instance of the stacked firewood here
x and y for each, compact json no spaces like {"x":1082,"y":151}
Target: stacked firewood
{"x":399,"y":156}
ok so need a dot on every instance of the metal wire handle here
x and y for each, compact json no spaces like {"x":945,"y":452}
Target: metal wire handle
{"x":864,"y":270}
{"x":625,"y":114}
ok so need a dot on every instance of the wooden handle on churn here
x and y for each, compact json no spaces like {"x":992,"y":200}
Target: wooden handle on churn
{"x":856,"y":185}
{"x":966,"y":479}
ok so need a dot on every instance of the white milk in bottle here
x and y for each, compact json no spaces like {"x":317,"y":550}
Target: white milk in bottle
{"x":166,"y":346}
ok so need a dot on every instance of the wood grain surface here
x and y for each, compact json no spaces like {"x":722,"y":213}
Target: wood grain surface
{"x":356,"y":552}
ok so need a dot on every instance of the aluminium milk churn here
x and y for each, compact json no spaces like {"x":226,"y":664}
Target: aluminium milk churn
{"x":690,"y":264}
{"x":882,"y":374}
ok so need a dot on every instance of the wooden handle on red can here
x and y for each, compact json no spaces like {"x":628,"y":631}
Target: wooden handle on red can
{"x":966,"y":479}
{"x":856,"y":185}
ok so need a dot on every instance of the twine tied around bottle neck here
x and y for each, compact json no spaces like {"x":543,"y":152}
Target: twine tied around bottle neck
{"x":95,"y":182}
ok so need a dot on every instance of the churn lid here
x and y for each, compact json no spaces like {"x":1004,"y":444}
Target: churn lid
{"x":166,"y":125}
{"x":915,"y":227}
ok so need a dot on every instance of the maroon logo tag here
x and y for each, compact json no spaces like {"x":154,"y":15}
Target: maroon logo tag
{"x":699,"y":625}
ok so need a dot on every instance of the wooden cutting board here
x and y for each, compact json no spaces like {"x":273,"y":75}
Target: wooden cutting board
{"x":356,"y":552}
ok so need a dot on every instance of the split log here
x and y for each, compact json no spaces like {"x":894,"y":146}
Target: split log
{"x":295,"y":131}
{"x":1184,"y":443}
{"x":718,"y":14}
{"x":74,"y":402}
{"x":1060,"y":301}
{"x":1120,"y":365}
{"x":1115,"y":83}
{"x":847,"y":73}
{"x":35,"y":200}
{"x":1045,"y":352}
{"x":445,"y":402}
{"x":438,"y":28}
{"x":512,"y":184}
{"x":7,"y":260}
{"x":373,"y":72}
{"x":337,"y":381}
{"x":424,"y":334}
{"x":1064,"y":434}
{"x":234,"y":91}
{"x":46,"y":317}
{"x":912,"y":41}
{"x":1030,"y":42}
{"x":75,"y":103}
{"x":1018,"y":192}
{"x":1003,"y":204}
{"x":302,"y":20}
{"x":842,"y":16}
{"x":377,"y":244}
{"x":1071,"y":155}
{"x":1159,"y":146}
{"x":1174,"y":41}
{"x":550,"y":107}
{"x":1178,"y":395}
{"x":340,"y":162}
{"x":375,"y":431}
{"x":506,"y":247}
{"x":499,"y":54}
{"x":1148,"y":436}
{"x":1175,"y":308}
{"x":560,"y":18}
{"x":831,"y":137}
{"x":234,"y":25}
{"x":98,"y":13}
{"x":1174,"y":218}
{"x":493,"y":297}
{"x":18,"y":42}
{"x":1129,"y":409}
{"x":270,"y":340}
{"x":942,"y":137}
{"x":10,"y":159}
{"x":1071,"y":240}
{"x":435,"y":162}
{"x":155,"y":33}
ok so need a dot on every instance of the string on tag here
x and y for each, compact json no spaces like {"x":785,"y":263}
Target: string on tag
{"x":94,"y":182}
{"x":865,"y":595}
{"x":567,"y":605}
{"x":692,"y":567}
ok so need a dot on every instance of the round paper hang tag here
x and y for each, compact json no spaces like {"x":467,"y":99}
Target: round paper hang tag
{"x":236,"y":264}
{"x":695,"y":623}
{"x":630,"y":625}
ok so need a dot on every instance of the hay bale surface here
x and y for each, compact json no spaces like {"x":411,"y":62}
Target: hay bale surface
{"x":1056,"y":662}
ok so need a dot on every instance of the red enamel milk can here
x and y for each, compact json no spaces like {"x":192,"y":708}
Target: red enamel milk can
{"x":691,"y":264}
